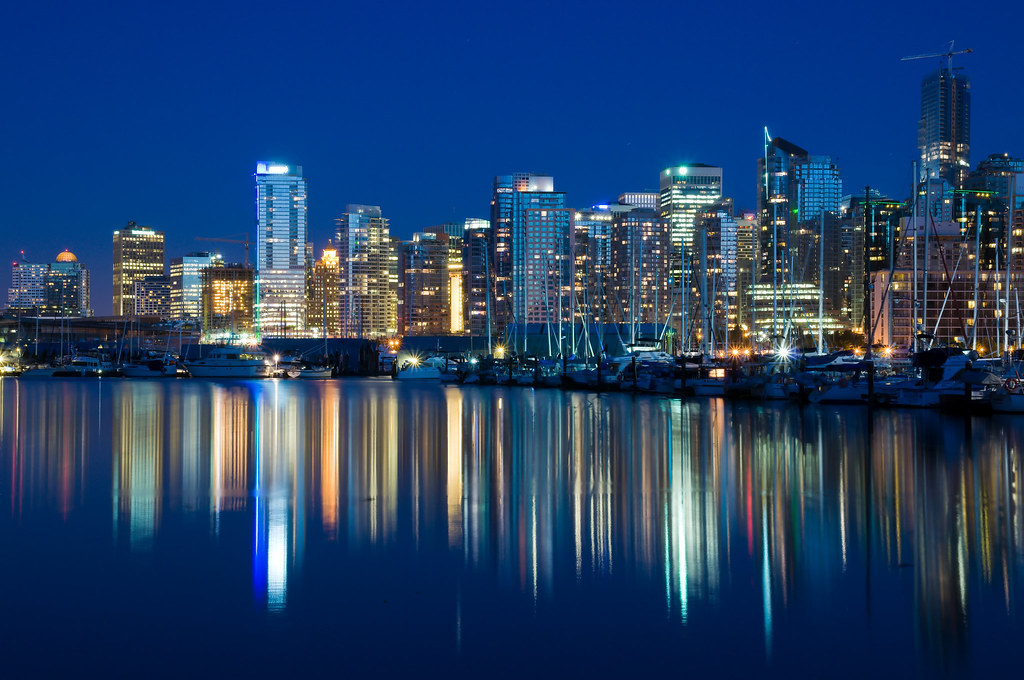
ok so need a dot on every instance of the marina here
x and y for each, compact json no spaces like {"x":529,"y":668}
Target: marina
{"x":329,"y":523}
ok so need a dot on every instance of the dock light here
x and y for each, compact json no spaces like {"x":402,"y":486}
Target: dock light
{"x":499,"y":351}
{"x":473,"y":360}
{"x":415,"y":361}
{"x":277,"y":357}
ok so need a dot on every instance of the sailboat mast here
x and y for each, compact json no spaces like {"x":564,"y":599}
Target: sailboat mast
{"x":821,"y":283}
{"x":977,"y":258}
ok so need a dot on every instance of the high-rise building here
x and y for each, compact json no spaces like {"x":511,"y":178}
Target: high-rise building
{"x":593,"y":261}
{"x":687,"y":190}
{"x":368,"y":294}
{"x":153,"y":297}
{"x":944,"y":129}
{"x":477,"y":280}
{"x":798,"y":193}
{"x":67,"y":287}
{"x":640,"y":255}
{"x":28,"y":285}
{"x":640,"y":199}
{"x":138,"y":254}
{"x":281,"y":249}
{"x":423,"y":285}
{"x":323,"y":315}
{"x":228,"y":300}
{"x":716,"y":249}
{"x":187,"y":283}
{"x":533,"y":254}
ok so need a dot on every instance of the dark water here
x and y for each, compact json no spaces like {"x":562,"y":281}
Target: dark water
{"x":358,"y":527}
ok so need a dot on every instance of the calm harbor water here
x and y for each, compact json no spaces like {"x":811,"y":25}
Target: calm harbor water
{"x":356,"y":526}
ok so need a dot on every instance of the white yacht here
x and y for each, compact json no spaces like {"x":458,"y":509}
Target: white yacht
{"x":84,"y":366}
{"x":233,"y":362}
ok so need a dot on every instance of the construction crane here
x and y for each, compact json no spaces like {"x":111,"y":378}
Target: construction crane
{"x":948,"y":54}
{"x":244,"y":242}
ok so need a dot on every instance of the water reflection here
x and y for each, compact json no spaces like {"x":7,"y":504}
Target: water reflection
{"x":779,"y":508}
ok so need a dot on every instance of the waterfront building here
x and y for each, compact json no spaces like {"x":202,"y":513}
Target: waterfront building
{"x":746,"y":247}
{"x":187,"y":283}
{"x":228,"y":300}
{"x":424,"y":293}
{"x":281,"y":249}
{"x":716,"y":249}
{"x":687,"y":190}
{"x":532,"y":254}
{"x":640,"y":199}
{"x":28,"y":285}
{"x":593,"y":261}
{"x":68,"y":287}
{"x":138,"y":254}
{"x":641,"y":249}
{"x":152,"y":297}
{"x":323,"y":315}
{"x":477,"y":279}
{"x":944,"y":129}
{"x":798,"y":194}
{"x":368,"y":273}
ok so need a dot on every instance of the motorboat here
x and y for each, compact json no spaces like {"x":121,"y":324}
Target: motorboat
{"x":416,"y":369}
{"x":86,"y":366}
{"x":233,"y":362}
{"x":165,"y":366}
{"x":1010,"y":399}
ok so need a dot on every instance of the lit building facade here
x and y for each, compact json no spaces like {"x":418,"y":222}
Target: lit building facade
{"x":68,"y":287}
{"x":944,"y":129}
{"x":716,"y":249}
{"x":368,"y":273}
{"x":476,"y":248}
{"x":28,"y":285}
{"x":153,"y":297}
{"x":640,"y":199}
{"x":138,"y":254}
{"x":228,"y":300}
{"x":323,"y":316}
{"x":281,"y":249}
{"x":187,"y":283}
{"x":424,"y":285}
{"x":640,"y":256}
{"x":533,"y":254}
{"x":686,"y":191}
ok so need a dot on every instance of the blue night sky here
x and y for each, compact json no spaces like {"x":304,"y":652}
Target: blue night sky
{"x":158,"y":112}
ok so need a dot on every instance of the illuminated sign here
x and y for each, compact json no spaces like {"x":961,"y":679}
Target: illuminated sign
{"x":271,"y":169}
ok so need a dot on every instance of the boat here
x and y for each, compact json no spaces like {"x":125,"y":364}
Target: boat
{"x":166,"y":366}
{"x":1010,"y":399}
{"x":233,"y":362}
{"x":85,"y":366}
{"x":302,"y":372}
{"x":415,"y":369}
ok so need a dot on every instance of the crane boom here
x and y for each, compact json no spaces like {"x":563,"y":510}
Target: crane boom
{"x":245,"y":242}
{"x":948,"y":54}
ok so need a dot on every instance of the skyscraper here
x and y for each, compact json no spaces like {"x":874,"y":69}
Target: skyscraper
{"x":368,"y":298}
{"x":138,"y":254}
{"x":280,"y":249}
{"x":187,"y":283}
{"x":28,"y":285}
{"x":67,"y":287}
{"x":687,"y":190}
{"x":533,"y":253}
{"x":153,"y":297}
{"x":797,"y":194}
{"x":477,"y":279}
{"x":423,"y":284}
{"x":944,"y":129}
{"x":324,"y":309}
{"x":228,"y":293}
{"x":640,"y":254}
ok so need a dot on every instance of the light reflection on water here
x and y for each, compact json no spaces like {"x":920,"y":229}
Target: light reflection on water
{"x":722,"y":507}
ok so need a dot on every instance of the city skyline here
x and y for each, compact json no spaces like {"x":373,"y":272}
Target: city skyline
{"x":114,"y":167}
